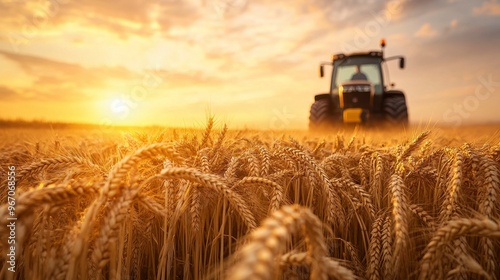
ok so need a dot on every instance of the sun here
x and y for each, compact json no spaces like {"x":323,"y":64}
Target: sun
{"x":118,"y":106}
{"x":114,"y":109}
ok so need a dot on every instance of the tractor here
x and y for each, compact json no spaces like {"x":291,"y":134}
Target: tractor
{"x":358,"y":93}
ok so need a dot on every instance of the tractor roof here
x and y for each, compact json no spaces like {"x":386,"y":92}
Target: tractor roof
{"x":358,"y":54}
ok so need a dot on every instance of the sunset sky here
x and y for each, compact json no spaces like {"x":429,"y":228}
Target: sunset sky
{"x":251,"y":63}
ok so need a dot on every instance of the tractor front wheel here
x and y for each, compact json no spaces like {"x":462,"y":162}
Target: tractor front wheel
{"x":320,"y":115}
{"x":395,"y":110}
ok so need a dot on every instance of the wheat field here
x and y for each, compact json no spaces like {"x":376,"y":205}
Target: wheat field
{"x":218,"y":203}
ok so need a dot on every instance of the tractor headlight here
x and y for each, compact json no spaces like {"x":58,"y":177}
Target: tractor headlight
{"x":356,"y":88}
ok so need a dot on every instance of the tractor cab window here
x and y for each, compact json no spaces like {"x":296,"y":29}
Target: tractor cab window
{"x":358,"y":69}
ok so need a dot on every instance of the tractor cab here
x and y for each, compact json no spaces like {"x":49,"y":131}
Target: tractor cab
{"x":357,"y":68}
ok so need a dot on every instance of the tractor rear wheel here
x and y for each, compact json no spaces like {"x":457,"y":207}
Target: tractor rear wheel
{"x":320,"y":115}
{"x":395,"y":110}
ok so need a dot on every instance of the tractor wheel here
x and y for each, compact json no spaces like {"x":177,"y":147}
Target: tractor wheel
{"x":320,"y":115}
{"x":395,"y":111}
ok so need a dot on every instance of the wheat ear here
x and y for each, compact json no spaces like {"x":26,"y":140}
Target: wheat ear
{"x":109,"y":227}
{"x":399,"y":215}
{"x":268,"y":241}
{"x":333,"y":267}
{"x":277,"y":190}
{"x":375,"y":249}
{"x":489,"y":191}
{"x":414,"y":145}
{"x":451,"y":201}
{"x":115,"y":180}
{"x":52,"y":162}
{"x":430,"y":266}
{"x":215,"y":183}
{"x":334,"y":207}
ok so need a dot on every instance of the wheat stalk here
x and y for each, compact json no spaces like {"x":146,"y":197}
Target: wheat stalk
{"x":333,"y":207}
{"x":109,"y":228}
{"x":59,"y":261}
{"x":115,"y":180}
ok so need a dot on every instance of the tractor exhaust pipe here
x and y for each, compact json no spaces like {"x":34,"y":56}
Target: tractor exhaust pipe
{"x":382,"y":46}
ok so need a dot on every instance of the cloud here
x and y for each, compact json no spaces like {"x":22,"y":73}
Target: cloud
{"x":454,"y":23}
{"x":466,"y":42}
{"x":60,"y":81}
{"x":490,"y":8}
{"x":452,"y":26}
{"x":68,"y":72}
{"x":426,"y":30}
{"x":48,"y":79}
{"x":28,"y":62}
{"x":7,"y":94}
{"x":121,"y":17}
{"x":407,"y":9}
{"x":171,"y":79}
{"x":41,"y":94}
{"x":338,"y":14}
